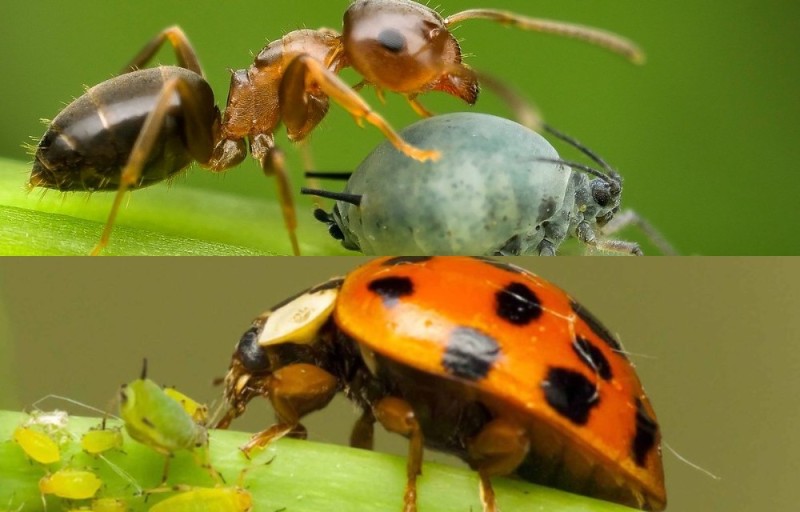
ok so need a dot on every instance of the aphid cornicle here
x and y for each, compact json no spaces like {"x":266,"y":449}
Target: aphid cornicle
{"x":499,"y":189}
{"x":465,"y":355}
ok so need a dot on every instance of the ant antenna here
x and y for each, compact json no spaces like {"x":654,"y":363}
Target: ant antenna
{"x":143,"y":376}
{"x":354,"y":199}
{"x":342,"y":176}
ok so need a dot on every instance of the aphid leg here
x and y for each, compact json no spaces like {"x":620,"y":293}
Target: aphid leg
{"x":598,"y":37}
{"x":294,"y":391}
{"x":305,"y":75}
{"x":396,"y":415}
{"x":273,"y":163}
{"x":184,"y":52}
{"x":586,"y":234}
{"x":196,"y":132}
{"x":626,"y":218}
{"x":498,"y":449}
{"x":363,"y":433}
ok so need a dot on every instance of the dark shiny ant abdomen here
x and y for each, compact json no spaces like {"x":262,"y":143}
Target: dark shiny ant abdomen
{"x":89,"y":143}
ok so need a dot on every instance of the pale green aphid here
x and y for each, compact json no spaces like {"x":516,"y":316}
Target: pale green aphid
{"x":155,"y":419}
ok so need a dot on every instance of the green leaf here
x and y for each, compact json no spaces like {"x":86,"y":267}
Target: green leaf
{"x":159,"y":220}
{"x":291,"y":474}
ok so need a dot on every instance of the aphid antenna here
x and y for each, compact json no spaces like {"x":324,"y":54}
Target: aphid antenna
{"x":583,"y":149}
{"x":582,"y":167}
{"x":36,"y":405}
{"x":354,"y":199}
{"x":332,"y":175}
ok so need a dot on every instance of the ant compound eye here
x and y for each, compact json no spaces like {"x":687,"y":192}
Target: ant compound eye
{"x":392,"y":40}
{"x":250,"y":353}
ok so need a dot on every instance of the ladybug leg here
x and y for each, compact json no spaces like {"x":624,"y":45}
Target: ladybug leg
{"x":363,"y":432}
{"x":294,"y":391}
{"x":498,"y":449}
{"x":396,"y":415}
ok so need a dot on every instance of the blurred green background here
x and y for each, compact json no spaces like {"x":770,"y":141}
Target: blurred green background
{"x":702,"y":133}
{"x":714,"y":341}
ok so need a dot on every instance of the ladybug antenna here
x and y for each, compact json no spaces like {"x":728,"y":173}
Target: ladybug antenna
{"x":354,"y":199}
{"x":143,"y":375}
{"x":341,"y":176}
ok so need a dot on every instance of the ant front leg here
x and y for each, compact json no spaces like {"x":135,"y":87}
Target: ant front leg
{"x":184,"y":52}
{"x":294,"y":391}
{"x":273,"y":163}
{"x":198,"y":136}
{"x":306,"y":76}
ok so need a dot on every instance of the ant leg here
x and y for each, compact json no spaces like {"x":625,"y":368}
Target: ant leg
{"x":418,"y":107}
{"x":294,"y":391}
{"x":586,"y":234}
{"x":273,"y":163}
{"x":308,"y":164}
{"x":629,"y":217}
{"x":148,"y":135}
{"x":306,"y":74}
{"x":397,"y":416}
{"x":184,"y":52}
{"x":598,"y":37}
{"x":498,"y":449}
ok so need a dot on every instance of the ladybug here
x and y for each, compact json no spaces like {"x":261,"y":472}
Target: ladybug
{"x":469,"y":356}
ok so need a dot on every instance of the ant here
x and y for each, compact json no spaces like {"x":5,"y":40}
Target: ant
{"x":146,"y":125}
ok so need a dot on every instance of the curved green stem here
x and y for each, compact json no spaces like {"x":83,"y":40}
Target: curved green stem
{"x":290,"y":475}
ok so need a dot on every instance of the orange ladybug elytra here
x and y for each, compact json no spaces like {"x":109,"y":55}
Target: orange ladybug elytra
{"x":469,"y":356}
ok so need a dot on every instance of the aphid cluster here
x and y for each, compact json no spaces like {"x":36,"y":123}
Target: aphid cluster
{"x":106,"y":141}
{"x":163,"y":419}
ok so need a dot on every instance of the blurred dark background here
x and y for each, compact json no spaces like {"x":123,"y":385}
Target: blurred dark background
{"x":702,"y":133}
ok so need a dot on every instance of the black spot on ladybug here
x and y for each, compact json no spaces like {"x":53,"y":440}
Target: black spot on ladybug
{"x":392,"y":288}
{"x":470,"y":353}
{"x":404,"y":260}
{"x":645,"y":438}
{"x":250,"y":353}
{"x":592,"y":356}
{"x":571,"y":394}
{"x":517,"y":304}
{"x":599,"y":329}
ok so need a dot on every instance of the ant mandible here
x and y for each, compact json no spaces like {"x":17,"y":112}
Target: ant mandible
{"x":396,"y":45}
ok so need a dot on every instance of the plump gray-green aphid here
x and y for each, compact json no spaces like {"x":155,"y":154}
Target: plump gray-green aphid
{"x":497,"y":189}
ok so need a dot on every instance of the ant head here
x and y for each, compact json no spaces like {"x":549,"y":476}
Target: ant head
{"x":405,"y":47}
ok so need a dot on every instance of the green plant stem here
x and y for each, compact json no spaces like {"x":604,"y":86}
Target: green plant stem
{"x":289,"y":475}
{"x":158,"y":220}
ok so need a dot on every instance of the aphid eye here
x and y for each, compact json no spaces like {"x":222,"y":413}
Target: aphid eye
{"x":251,"y":354}
{"x":392,"y":40}
{"x":601,"y":193}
